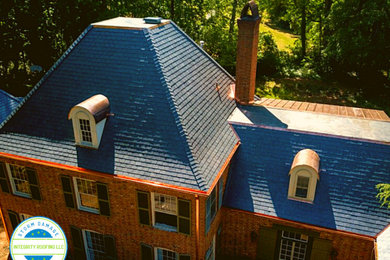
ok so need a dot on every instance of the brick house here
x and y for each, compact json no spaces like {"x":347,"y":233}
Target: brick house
{"x":134,"y":144}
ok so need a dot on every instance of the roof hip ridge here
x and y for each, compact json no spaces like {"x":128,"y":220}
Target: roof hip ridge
{"x":47,"y":74}
{"x":192,"y":160}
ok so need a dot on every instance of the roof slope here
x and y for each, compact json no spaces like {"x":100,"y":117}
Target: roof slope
{"x":345,"y":195}
{"x":7,"y":104}
{"x":152,"y":82}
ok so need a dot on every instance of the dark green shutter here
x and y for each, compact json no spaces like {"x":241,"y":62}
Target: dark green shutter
{"x":321,"y":249}
{"x":67,"y":188}
{"x":3,"y":178}
{"x":146,"y":252}
{"x":267,"y":240}
{"x":78,"y":243}
{"x":184,"y":216}
{"x":104,"y":203}
{"x":184,"y":257}
{"x":14,"y":218}
{"x":110,"y":248}
{"x":34,"y":185}
{"x":143,"y":199}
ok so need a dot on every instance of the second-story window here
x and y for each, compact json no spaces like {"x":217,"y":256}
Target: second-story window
{"x":164,"y":212}
{"x":213,"y":203}
{"x":85,"y":131}
{"x":87,"y":196}
{"x":23,"y":180}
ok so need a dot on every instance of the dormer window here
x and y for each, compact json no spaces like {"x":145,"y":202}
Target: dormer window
{"x":304,"y":175}
{"x":89,"y":118}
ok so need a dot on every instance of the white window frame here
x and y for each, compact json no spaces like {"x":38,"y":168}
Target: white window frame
{"x":303,"y":171}
{"x":24,"y":216}
{"x":294,"y":241}
{"x":154,"y":210}
{"x":78,"y":198}
{"x":156,"y":253}
{"x":86,"y":243}
{"x":13,"y":186}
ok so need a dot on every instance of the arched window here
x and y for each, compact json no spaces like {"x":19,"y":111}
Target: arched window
{"x":304,"y":176}
{"x":89,"y":118}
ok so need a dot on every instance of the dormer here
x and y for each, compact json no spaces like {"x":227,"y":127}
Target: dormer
{"x":304,"y":176}
{"x":89,"y":118}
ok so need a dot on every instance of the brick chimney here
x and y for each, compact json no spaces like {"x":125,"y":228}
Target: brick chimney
{"x":248,"y":37}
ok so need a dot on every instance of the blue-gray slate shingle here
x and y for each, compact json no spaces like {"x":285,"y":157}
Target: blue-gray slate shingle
{"x":7,"y":104}
{"x":169,"y":123}
{"x":345,"y":197}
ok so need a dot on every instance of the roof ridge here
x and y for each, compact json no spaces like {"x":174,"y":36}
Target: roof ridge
{"x":202,"y":50}
{"x":47,"y":74}
{"x":193,"y":163}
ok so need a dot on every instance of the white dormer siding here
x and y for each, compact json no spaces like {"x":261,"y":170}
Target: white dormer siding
{"x":89,"y":118}
{"x":304,"y":176}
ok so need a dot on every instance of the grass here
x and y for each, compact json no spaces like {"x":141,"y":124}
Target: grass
{"x":283,"y":39}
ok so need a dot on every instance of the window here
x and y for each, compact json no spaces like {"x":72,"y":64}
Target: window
{"x":163,"y":254}
{"x":304,"y":176}
{"x":88,"y":120}
{"x":94,"y":245}
{"x":85,"y":130}
{"x":213,"y":203}
{"x":302,"y":187}
{"x":166,"y":212}
{"x":19,"y":180}
{"x":210,"y":253}
{"x":293,"y":246}
{"x":24,"y":181}
{"x":24,"y":216}
{"x":148,"y":253}
{"x":87,"y":197}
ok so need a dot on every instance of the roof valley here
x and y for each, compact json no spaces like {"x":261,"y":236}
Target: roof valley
{"x":193,"y":163}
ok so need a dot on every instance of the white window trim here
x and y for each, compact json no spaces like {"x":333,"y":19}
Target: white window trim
{"x":153,"y":208}
{"x":85,"y":241}
{"x":78,"y":199}
{"x":11,"y":179}
{"x":304,"y":171}
{"x":24,"y":216}
{"x":303,"y":241}
{"x":156,"y":254}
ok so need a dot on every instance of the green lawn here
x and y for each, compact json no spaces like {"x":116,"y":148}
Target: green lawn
{"x":282,"y":38}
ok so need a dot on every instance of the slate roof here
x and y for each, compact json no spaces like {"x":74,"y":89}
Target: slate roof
{"x":7,"y":104}
{"x":345,"y":195}
{"x":169,"y":124}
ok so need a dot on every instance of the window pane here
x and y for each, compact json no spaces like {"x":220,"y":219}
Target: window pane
{"x":165,"y":219}
{"x":293,"y":246}
{"x":302,"y":187}
{"x":165,"y":203}
{"x":95,"y":245}
{"x":88,"y":193}
{"x":85,"y":129}
{"x":20,"y":179}
{"x":163,"y":254}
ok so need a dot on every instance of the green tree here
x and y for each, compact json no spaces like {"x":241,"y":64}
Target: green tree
{"x":384,"y":194}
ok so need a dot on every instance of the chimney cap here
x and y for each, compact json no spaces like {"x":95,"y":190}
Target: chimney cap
{"x":254,"y":11}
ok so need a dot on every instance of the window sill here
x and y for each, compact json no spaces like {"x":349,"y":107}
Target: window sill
{"x":23,"y":195}
{"x":165,"y":227}
{"x":90,"y":210}
{"x":301,"y":200}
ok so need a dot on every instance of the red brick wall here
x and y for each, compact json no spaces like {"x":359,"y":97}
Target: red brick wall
{"x":238,"y":225}
{"x":123,"y":223}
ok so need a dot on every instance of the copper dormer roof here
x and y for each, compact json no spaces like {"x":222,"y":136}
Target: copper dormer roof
{"x":97,"y":105}
{"x":307,"y":158}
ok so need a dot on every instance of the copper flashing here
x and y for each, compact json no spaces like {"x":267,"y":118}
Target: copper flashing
{"x":97,"y":105}
{"x":306,"y":157}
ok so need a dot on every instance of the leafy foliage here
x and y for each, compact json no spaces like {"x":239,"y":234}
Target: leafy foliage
{"x":384,"y":194}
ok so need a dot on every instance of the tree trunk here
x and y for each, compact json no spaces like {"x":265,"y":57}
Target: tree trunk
{"x":233,"y":17}
{"x":172,"y":9}
{"x":303,"y":29}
